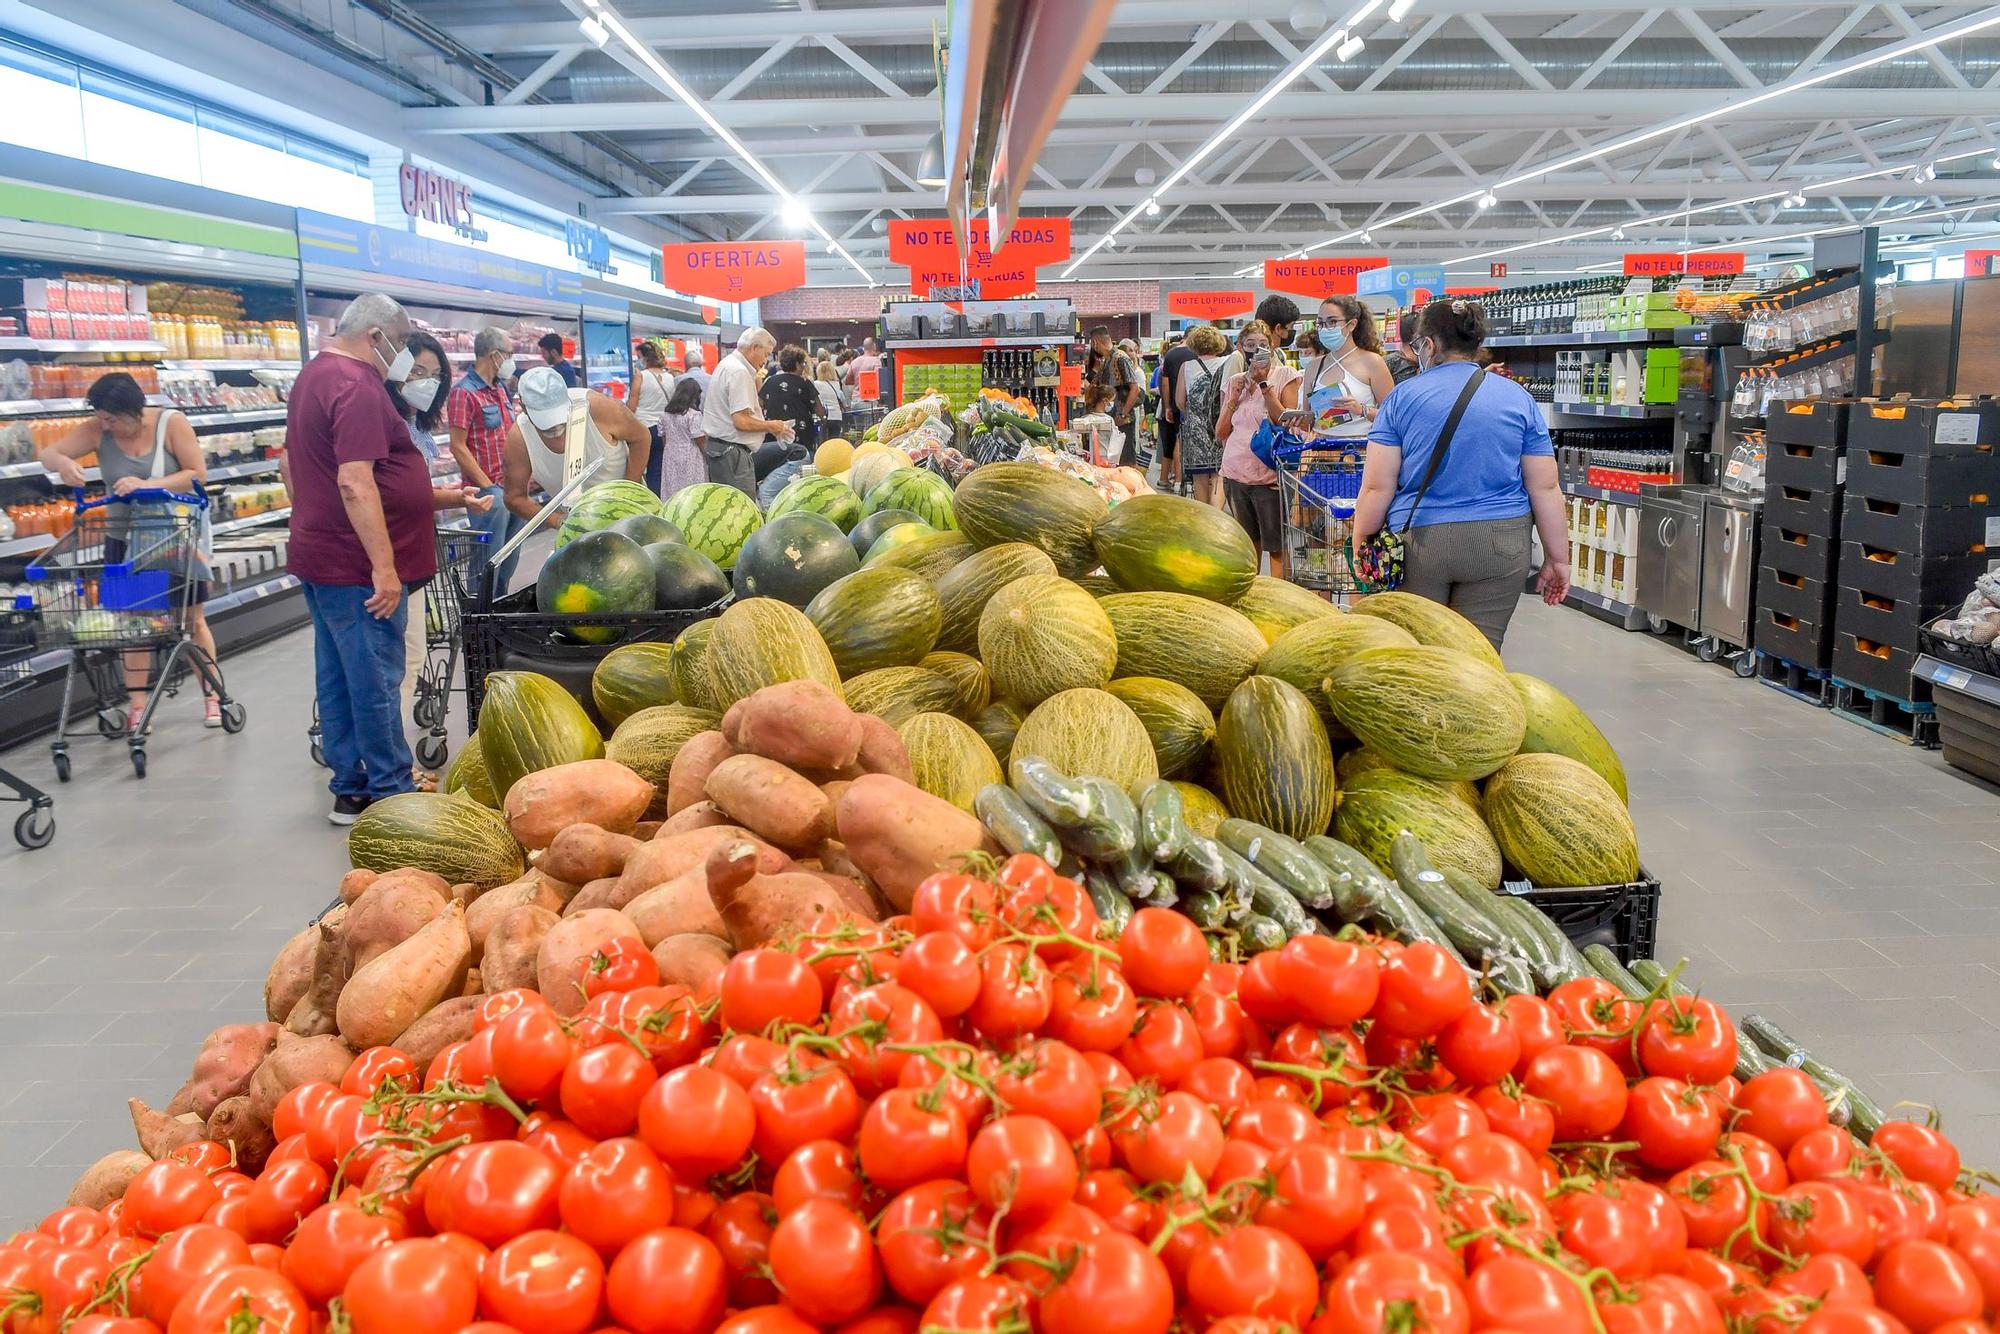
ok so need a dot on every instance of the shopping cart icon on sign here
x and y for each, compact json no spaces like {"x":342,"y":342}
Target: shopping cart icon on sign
{"x":1319,"y":483}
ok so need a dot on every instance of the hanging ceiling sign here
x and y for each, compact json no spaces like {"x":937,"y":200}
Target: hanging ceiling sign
{"x":1211,"y":305}
{"x":1319,"y":278}
{"x":734,"y":270}
{"x":1405,"y":285}
{"x":1982,"y":263}
{"x":929,"y":246}
{"x":1710,"y":264}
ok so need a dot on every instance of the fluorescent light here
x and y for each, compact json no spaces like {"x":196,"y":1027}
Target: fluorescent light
{"x":1618,"y":235}
{"x":1152,"y":208}
{"x":1400,"y":10}
{"x":1349,"y":48}
{"x":794,"y":214}
{"x":595,"y":31}
{"x":1486,"y":201}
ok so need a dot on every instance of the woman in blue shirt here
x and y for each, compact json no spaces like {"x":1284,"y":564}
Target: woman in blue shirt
{"x":1467,"y":543}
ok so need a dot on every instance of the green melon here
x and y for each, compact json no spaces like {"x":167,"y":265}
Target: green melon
{"x":1430,"y":623}
{"x":685,"y":579}
{"x":761,"y":642}
{"x":467,"y":774}
{"x":947,"y":758}
{"x":1188,"y":640}
{"x":647,"y":529}
{"x":1201,"y":810}
{"x":1307,"y":655}
{"x":971,"y":682}
{"x":604,"y":504}
{"x":528,"y":723}
{"x":1380,"y":802}
{"x":1434,"y":712}
{"x":866,"y":532}
{"x":1275,"y":606}
{"x":1024,"y":502}
{"x":1042,"y":635}
{"x":1362,"y":759}
{"x":877,"y":617}
{"x":1171,"y":544}
{"x":1275,"y":764}
{"x":1556,"y":726}
{"x":932,"y":555}
{"x":793,"y":557}
{"x":716,"y":520}
{"x":1560,"y":824}
{"x":647,"y":742}
{"x":598,"y":574}
{"x":963,"y":592}
{"x":1084,"y":732}
{"x":630,"y":678}
{"x":894,"y":540}
{"x":918,"y":490}
{"x":1098,"y":585}
{"x":691,"y":684}
{"x":872,"y":469}
{"x":895,"y":693}
{"x":1181,"y":726}
{"x":451,"y":836}
{"x":828,"y":497}
{"x":996,"y":724}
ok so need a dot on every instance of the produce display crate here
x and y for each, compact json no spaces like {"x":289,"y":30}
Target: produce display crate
{"x":1625,"y":918}
{"x":512,"y":635}
{"x":1972,"y":657}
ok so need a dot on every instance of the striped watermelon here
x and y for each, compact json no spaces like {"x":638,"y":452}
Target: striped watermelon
{"x":602,"y":505}
{"x":922,"y":493}
{"x":716,"y":519}
{"x":828,"y":497}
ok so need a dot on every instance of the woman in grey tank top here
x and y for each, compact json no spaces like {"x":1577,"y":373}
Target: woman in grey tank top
{"x":139,"y":447}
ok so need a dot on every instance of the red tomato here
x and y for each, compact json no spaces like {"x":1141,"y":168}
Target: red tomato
{"x":1115,"y":1285}
{"x":765,"y":1320}
{"x":1483,"y":1157}
{"x":1528,"y":1121}
{"x":1833,"y":1280}
{"x":967,"y":907}
{"x":168,"y":1195}
{"x":1852,"y":1320}
{"x":1534,"y":1022}
{"x":929,"y":1236}
{"x":1421,"y":990}
{"x":545,"y":1281}
{"x":1388,"y":1291}
{"x":1316,"y":1198}
{"x":330,"y":1245}
{"x":1164,"y":1046}
{"x":603,"y":1088}
{"x":242,"y":1297}
{"x":1165,"y":1139}
{"x":1689,"y":1039}
{"x":977,"y":1305}
{"x":1162,"y":953}
{"x":762,"y":987}
{"x":1781,"y":1106}
{"x":1092,"y":1007}
{"x":1605,"y":1233}
{"x":1479,"y":1046}
{"x":493,"y":1191}
{"x":1024,"y":1164}
{"x":1925,"y":1285}
{"x":284,"y":1194}
{"x":741,"y":1229}
{"x":621,"y":964}
{"x":823,"y":1261}
{"x":1981,"y":1250}
{"x":180,"y":1261}
{"x":1051,"y":1080}
{"x":1583,"y":1088}
{"x":1665,"y":1304}
{"x":1714,"y":1201}
{"x":667,"y":1281}
{"x":1515,"y":1292}
{"x":940,"y":967}
{"x":909,"y":1137}
{"x":822,"y":1170}
{"x":372,"y":1068}
{"x":1820,"y":1218}
{"x":300,"y":1107}
{"x":1252,"y":1270}
{"x":614,"y":1192}
{"x":1330,"y":982}
{"x":800,"y":1105}
{"x":1598,"y":1015}
{"x":1821,"y":1154}
{"x":1674,"y":1124}
{"x":1919,"y":1152}
{"x":554,"y":1138}
{"x":1015,"y":993}
{"x":698,"y":1121}
{"x":1113,"y":1196}
{"x":530,"y":1052}
{"x":1435,"y":1121}
{"x":1224,"y":1084}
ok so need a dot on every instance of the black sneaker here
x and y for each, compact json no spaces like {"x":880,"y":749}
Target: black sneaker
{"x":345,"y":809}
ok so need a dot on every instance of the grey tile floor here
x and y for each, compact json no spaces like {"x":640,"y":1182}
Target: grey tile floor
{"x":1846,"y":886}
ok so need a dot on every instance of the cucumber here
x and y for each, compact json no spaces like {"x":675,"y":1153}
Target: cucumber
{"x":1393,"y":910}
{"x":1541,"y":958}
{"x":1259,"y":934}
{"x":1014,"y":824}
{"x":1112,"y":906}
{"x":1199,"y":864}
{"x":1205,"y":909}
{"x":1358,"y":884}
{"x":1571,"y":963}
{"x":1116,"y":822}
{"x":1607,"y":966}
{"x":1284,"y":859}
{"x":1775,"y":1042}
{"x":1059,"y":800}
{"x":1266,"y":896}
{"x":1864,"y":1115}
{"x":1649,"y":972}
{"x":1141,"y":883}
{"x":1163,"y":831}
{"x":1476,"y":934}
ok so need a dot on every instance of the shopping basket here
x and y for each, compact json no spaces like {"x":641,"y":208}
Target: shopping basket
{"x":1320,"y":482}
{"x":459,"y":548}
{"x":19,"y":647}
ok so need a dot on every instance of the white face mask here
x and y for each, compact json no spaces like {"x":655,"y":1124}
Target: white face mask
{"x":506,"y":371}
{"x":423,"y":395}
{"x":396,"y":371}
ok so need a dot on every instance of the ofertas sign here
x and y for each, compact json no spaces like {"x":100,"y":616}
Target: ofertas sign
{"x":1210,"y":305}
{"x":929,"y":247}
{"x":1709,"y":264}
{"x":1318,"y":278}
{"x":734,"y":270}
{"x":436,"y":197}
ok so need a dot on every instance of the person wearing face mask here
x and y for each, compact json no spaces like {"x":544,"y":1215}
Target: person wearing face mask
{"x":732,"y":414}
{"x":1266,"y":390}
{"x":420,"y":401}
{"x":558,"y":424}
{"x":1346,"y":378}
{"x":479,"y":414}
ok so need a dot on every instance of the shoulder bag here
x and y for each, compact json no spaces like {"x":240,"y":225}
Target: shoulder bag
{"x":1378,"y":559}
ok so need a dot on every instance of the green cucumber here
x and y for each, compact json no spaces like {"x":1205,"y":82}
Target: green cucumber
{"x":1259,"y":934}
{"x":1141,"y":883}
{"x":1475,"y":933}
{"x":1061,"y":801}
{"x":1025,"y":425}
{"x":1607,"y":966}
{"x":1359,"y":886}
{"x":1267,"y":897}
{"x":1205,"y":909}
{"x":1115,"y":826}
{"x":1112,"y":906}
{"x":1284,"y":859}
{"x":1649,"y":972}
{"x":1541,"y":957}
{"x":1775,"y":1042}
{"x":1394,"y":911}
{"x":1199,"y":864}
{"x":1163,"y":830}
{"x":1014,"y":824}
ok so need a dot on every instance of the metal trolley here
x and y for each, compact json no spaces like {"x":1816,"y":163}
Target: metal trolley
{"x":1319,"y":483}
{"x":19,"y":646}
{"x":119,"y":588}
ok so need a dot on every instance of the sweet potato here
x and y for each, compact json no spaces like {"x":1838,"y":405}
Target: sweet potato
{"x":223,"y":1066}
{"x":853,"y":895}
{"x":565,"y":954}
{"x":532,"y":889}
{"x":105,"y":1180}
{"x":474,"y":984}
{"x":296,"y":1061}
{"x":672,"y":855}
{"x":701,"y":815}
{"x":354,"y":882}
{"x":647,"y":829}
{"x":450,"y":1022}
{"x":313,"y":1015}
{"x":693,"y":959}
{"x":608,"y":893}
{"x":835,"y":788}
{"x":160,"y":1134}
{"x":687,"y":780}
{"x":291,"y":974}
{"x":898,"y":834}
{"x":882,"y":750}
{"x":249,"y":1136}
{"x":416,"y":876}
{"x":586,"y":852}
{"x":605,"y":793}
{"x":799,"y":724}
{"x":770,"y":800}
{"x":401,"y":984}
{"x":766,"y":908}
{"x":388,"y":913}
{"x":679,"y":907}
{"x":509,"y":959}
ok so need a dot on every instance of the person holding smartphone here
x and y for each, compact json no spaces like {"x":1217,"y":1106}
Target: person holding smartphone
{"x":1265,"y":391}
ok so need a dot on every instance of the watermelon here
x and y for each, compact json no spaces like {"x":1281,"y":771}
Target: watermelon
{"x":877,"y":617}
{"x":1201,"y":810}
{"x":604,"y":504}
{"x":933,"y":555}
{"x":947,"y":758}
{"x":647,"y":529}
{"x":528,"y":723}
{"x":630,"y":678}
{"x":1275,"y":606}
{"x":1307,"y":655}
{"x":1181,"y":638}
{"x":864,"y":533}
{"x":1380,"y":802}
{"x":971,"y":683}
{"x":600,"y":573}
{"x":1434,"y":712}
{"x":1088,"y":732}
{"x":760,"y":642}
{"x":884,"y":548}
{"x":685,"y":579}
{"x":996,"y":724}
{"x":896,"y":693}
{"x":451,"y":836}
{"x":467,"y":774}
{"x":691,"y":684}
{"x":1430,"y":623}
{"x":922,"y":493}
{"x":1171,"y":544}
{"x":1024,"y":502}
{"x":963,"y":592}
{"x":1274,"y":762}
{"x":1180,"y":725}
{"x":1560,"y":824}
{"x":1556,"y":726}
{"x":1362,"y":759}
{"x":1042,"y":635}
{"x":792,"y":558}
{"x":824,"y":496}
{"x":717,"y":520}
{"x":872,"y":468}
{"x":647,"y":742}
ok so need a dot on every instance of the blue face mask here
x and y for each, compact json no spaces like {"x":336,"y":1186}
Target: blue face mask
{"x":1332,"y":337}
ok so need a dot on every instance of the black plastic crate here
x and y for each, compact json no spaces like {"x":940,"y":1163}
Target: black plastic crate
{"x":1794,"y":638}
{"x":511,"y":635}
{"x":1802,"y":509}
{"x":1813,"y":555}
{"x":1817,"y":423}
{"x":1922,"y":530}
{"x":1816,"y":468}
{"x":1796,"y":595}
{"x":1626,"y":918}
{"x":1932,"y":581}
{"x":1973,"y":657}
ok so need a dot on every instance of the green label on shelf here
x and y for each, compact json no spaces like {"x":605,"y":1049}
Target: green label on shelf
{"x":66,"y":208}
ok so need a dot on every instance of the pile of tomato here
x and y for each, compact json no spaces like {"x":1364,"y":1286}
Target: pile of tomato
{"x":983,"y":1118}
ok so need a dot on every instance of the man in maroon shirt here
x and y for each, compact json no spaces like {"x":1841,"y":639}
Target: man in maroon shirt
{"x":361,"y":537}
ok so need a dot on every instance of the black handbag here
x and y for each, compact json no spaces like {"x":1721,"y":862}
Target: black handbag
{"x":1379,"y":558}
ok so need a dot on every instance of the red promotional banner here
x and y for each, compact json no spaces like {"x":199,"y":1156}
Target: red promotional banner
{"x":1709,"y":264}
{"x":1982,"y":263}
{"x":1318,"y":278}
{"x":734,"y":270}
{"x":930,"y":248}
{"x":1211,"y":305}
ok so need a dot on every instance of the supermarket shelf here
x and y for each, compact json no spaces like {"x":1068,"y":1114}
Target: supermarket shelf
{"x":35,"y":407}
{"x":991,"y":340}
{"x":227,"y":470}
{"x":283,"y":583}
{"x":255,"y":520}
{"x":1602,"y":603}
{"x":254,"y":468}
{"x":27,"y":546}
{"x":1629,"y":410}
{"x":200,"y":417}
{"x":219,"y":364}
{"x":79,"y":345}
{"x":1596,"y":338}
{"x":1601,"y":493}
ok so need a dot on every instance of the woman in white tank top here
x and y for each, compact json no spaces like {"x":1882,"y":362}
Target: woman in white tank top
{"x":1349,"y":375}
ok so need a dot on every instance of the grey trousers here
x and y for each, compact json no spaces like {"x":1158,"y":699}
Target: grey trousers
{"x":729,"y":463}
{"x":1476,"y":569}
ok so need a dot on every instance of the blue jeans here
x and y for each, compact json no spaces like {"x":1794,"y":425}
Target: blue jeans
{"x":358,"y":676}
{"x":502,"y":523}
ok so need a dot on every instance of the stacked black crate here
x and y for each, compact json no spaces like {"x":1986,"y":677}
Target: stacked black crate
{"x":1921,"y":512}
{"x":1805,"y":470}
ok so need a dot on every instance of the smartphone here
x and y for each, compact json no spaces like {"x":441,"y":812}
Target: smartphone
{"x":1296,"y":419}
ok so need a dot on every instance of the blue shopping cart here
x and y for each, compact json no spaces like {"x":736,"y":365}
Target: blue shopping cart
{"x":1320,"y":482}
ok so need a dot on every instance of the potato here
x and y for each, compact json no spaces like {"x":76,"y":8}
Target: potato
{"x":354,"y":882}
{"x":701,"y":815}
{"x":770,"y":800}
{"x":882,"y":750}
{"x":509,"y":960}
{"x":400,"y":985}
{"x":693,"y":959}
{"x":105,"y":1180}
{"x":673,"y":854}
{"x":296,"y":1061}
{"x":533,"y":888}
{"x":235,"y":1124}
{"x":586,"y":852}
{"x":687,"y":780}
{"x":565,"y":953}
{"x":450,"y":1022}
{"x":800,"y":724}
{"x":898,"y":834}
{"x":291,"y":974}
{"x":411,"y":875}
{"x":679,"y":907}
{"x":647,"y":829}
{"x":600,"y":792}
{"x":388,"y":913}
{"x":222,"y":1068}
{"x":160,"y":1134}
{"x":606,"y":893}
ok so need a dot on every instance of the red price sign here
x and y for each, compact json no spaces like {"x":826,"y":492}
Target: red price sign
{"x":1319,"y":278}
{"x":930,"y":247}
{"x":1982,"y":263}
{"x":1210,"y":305}
{"x":734,"y":270}
{"x":868,"y":385}
{"x":1707,"y":264}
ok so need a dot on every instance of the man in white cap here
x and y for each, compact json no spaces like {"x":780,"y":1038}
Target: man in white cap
{"x":563,"y":430}
{"x":732,"y":414}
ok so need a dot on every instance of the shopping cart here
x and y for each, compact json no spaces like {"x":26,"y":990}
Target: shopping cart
{"x":1319,"y":482}
{"x":119,"y":588}
{"x":458,"y":551}
{"x":19,"y":646}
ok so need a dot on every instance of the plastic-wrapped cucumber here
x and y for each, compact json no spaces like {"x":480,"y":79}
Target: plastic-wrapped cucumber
{"x":1140,"y":882}
{"x":1112,"y":831}
{"x":1570,"y":962}
{"x":1358,"y":884}
{"x":1163,"y":831}
{"x":1608,"y":966}
{"x":1284,"y":859}
{"x":1476,"y":934}
{"x":1060,"y":800}
{"x":1259,"y":933}
{"x":1205,"y":909}
{"x":1394,"y":911}
{"x":1112,"y":906}
{"x":1267,"y":897}
{"x":1014,"y":824}
{"x":1541,"y":958}
{"x":1651,"y":976}
{"x":1199,"y":864}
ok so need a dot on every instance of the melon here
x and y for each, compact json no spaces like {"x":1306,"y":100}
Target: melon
{"x":1556,"y":726}
{"x":647,"y":529}
{"x":971,"y":683}
{"x":1434,"y":712}
{"x":1381,"y":802}
{"x":830,"y":499}
{"x":964,"y":590}
{"x":647,"y":742}
{"x":691,"y":684}
{"x":467,"y":774}
{"x":1042,"y":635}
{"x":1180,"y":725}
{"x":761,"y":642}
{"x":871,"y":468}
{"x":685,"y":579}
{"x":1171,"y":544}
{"x":996,"y":724}
{"x":895,"y":693}
{"x":792,"y":558}
{"x":604,"y":504}
{"x":1362,"y":759}
{"x":1201,"y":810}
{"x":1024,"y":502}
{"x":450,"y":836}
{"x":865,"y":533}
{"x":630,"y":678}
{"x":947,"y":758}
{"x":601,"y":573}
{"x":932,"y":555}
{"x":1273,"y":761}
{"x":1181,"y":638}
{"x":1097,"y":585}
{"x":897,"y":537}
{"x":920,"y":492}
{"x":715,"y":519}
{"x":1088,"y":732}
{"x":877,"y":617}
{"x":834,"y":456}
{"x":1275,"y":606}
{"x":1560,"y":824}
{"x":1429,"y":623}
{"x":1308,"y":654}
{"x":528,"y":723}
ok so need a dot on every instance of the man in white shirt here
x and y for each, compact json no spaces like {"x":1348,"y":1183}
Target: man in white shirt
{"x":694,"y":367}
{"x":731,"y":414}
